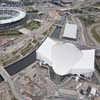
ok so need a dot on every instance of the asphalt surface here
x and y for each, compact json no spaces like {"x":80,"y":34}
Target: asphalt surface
{"x":20,"y":65}
{"x":31,"y":58}
{"x":57,"y":30}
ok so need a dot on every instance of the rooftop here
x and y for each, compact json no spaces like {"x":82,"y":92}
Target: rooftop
{"x":66,"y":58}
{"x":70,"y":31}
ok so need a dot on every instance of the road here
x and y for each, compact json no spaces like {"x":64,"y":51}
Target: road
{"x":8,"y":79}
{"x":57,"y":31}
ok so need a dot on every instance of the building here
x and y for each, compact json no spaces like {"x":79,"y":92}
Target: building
{"x":70,"y":31}
{"x":97,"y":98}
{"x":12,"y":14}
{"x":56,"y":2}
{"x":44,"y":51}
{"x":93,"y":91}
{"x":66,"y":58}
{"x":15,"y":0}
{"x":67,"y":1}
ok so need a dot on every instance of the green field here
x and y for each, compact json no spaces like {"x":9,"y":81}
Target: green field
{"x":26,"y":49}
{"x":8,"y":61}
{"x":31,"y":10}
{"x":10,"y":33}
{"x":3,"y":18}
{"x":95,"y":34}
{"x":33,"y":25}
{"x":97,"y":4}
{"x":87,"y":20}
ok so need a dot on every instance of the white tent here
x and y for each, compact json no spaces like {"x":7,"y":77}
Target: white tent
{"x":65,"y":58}
{"x":70,"y":31}
{"x":44,"y":51}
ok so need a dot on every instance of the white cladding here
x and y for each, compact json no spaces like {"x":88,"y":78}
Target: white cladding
{"x":70,"y":31}
{"x":20,"y":16}
{"x":65,"y":58}
{"x":44,"y":51}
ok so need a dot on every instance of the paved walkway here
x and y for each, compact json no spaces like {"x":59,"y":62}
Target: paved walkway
{"x":8,"y":79}
{"x":25,"y":31}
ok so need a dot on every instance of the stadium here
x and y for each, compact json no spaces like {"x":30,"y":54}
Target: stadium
{"x":11,"y":17}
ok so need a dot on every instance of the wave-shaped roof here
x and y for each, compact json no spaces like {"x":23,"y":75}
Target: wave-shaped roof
{"x":66,"y":57}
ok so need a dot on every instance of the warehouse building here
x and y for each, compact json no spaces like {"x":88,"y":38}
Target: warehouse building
{"x":70,"y":31}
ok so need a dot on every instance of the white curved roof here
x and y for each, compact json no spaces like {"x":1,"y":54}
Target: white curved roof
{"x":44,"y":51}
{"x":20,"y":16}
{"x":65,"y":55}
{"x":66,"y":58}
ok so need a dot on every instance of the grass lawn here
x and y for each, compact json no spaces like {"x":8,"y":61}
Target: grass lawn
{"x":26,"y":49}
{"x":31,"y":10}
{"x":88,"y":20}
{"x":10,"y":33}
{"x":6,"y":62}
{"x":3,"y":18}
{"x":95,"y":34}
{"x":33,"y":25}
{"x":97,"y":4}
